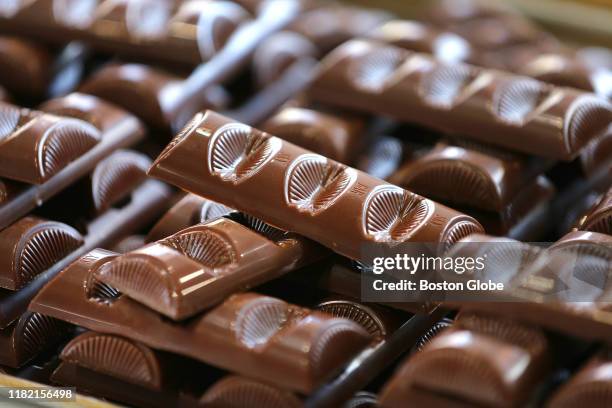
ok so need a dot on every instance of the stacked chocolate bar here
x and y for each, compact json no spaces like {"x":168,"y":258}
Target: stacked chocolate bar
{"x":277,"y":149}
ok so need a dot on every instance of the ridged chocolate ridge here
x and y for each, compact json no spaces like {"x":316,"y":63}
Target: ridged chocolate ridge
{"x":116,"y":176}
{"x":259,"y":320}
{"x":40,"y":247}
{"x":237,"y":153}
{"x":9,"y":119}
{"x":459,"y":231}
{"x":240,"y":392}
{"x":447,"y":85}
{"x":392,"y":214}
{"x":211,"y":210}
{"x":599,"y":219}
{"x":357,"y":312}
{"x":516,"y":100}
{"x":257,"y":225}
{"x":372,"y":72}
{"x":64,"y":142}
{"x":362,"y":399}
{"x":216,"y":25}
{"x":205,"y":246}
{"x":115,"y":356}
{"x":34,"y":333}
{"x":313,"y":183}
{"x":432,"y":332}
{"x":588,"y":116}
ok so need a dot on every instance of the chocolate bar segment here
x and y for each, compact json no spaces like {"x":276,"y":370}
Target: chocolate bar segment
{"x":483,"y":361}
{"x":188,"y":211}
{"x":253,"y":335}
{"x":599,"y":218}
{"x":200,"y":266}
{"x":32,"y":245}
{"x":484,"y":179}
{"x":296,"y":190}
{"x":335,"y":137}
{"x":34,"y":150}
{"x":462,"y":99}
{"x":24,"y":67}
{"x":237,"y":392}
{"x":29,"y":336}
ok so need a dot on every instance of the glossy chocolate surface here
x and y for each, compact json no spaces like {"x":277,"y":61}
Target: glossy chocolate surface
{"x":250,"y":334}
{"x":599,"y":218}
{"x":299,"y":191}
{"x":462,"y":99}
{"x":24,"y":67}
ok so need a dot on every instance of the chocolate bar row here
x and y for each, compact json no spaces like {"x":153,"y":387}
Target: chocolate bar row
{"x":473,"y":102}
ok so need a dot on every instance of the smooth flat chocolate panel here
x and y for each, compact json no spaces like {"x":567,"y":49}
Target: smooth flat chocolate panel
{"x":293,"y":189}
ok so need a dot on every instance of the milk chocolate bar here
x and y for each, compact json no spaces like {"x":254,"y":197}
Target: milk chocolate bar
{"x":476,"y":103}
{"x":596,"y":159}
{"x":145,"y":203}
{"x":589,"y":386}
{"x":483,"y":361}
{"x":24,"y":67}
{"x":237,"y":392}
{"x":480,"y":178}
{"x":34,"y":146}
{"x":188,"y":211}
{"x":299,"y":191}
{"x":200,"y":266}
{"x":32,"y":245}
{"x":28,"y":336}
{"x":333,"y":136}
{"x":116,"y":129}
{"x":599,"y":218}
{"x":129,"y":243}
{"x":421,"y":37}
{"x":254,"y":335}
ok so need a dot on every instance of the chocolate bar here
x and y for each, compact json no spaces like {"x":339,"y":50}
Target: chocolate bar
{"x":24,"y":67}
{"x":32,"y":245}
{"x":29,"y":336}
{"x":481,"y":361}
{"x":596,"y":159}
{"x":589,"y":386}
{"x":422,"y":37}
{"x":277,"y":53}
{"x":122,"y":131}
{"x":473,"y":102}
{"x":299,"y":191}
{"x":480,"y":178}
{"x":190,"y":210}
{"x":200,"y":266}
{"x":336,"y":137}
{"x":145,"y":203}
{"x":254,"y":335}
{"x":129,"y":243}
{"x":237,"y":392}
{"x":36,"y":146}
{"x":383,"y":158}
{"x":599,"y":218}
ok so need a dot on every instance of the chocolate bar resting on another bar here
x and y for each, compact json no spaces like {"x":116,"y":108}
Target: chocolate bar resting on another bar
{"x":31,"y":334}
{"x":30,"y":246}
{"x":293,"y":189}
{"x":480,"y":361}
{"x":591,"y":386}
{"x":599,"y":218}
{"x":188,"y":211}
{"x":200,"y":266}
{"x":492,"y":107}
{"x":250,"y":334}
{"x":336,"y":137}
{"x":34,"y":146}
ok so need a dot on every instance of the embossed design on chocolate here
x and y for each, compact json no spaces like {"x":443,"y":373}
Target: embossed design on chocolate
{"x":587,"y":117}
{"x":64,"y":142}
{"x":204,"y":246}
{"x":370,"y":72}
{"x":392,"y":214}
{"x":313,"y":183}
{"x":116,"y":176}
{"x":114,"y":356}
{"x":516,"y":100}
{"x":238,"y":392}
{"x":37,"y":332}
{"x":257,"y":225}
{"x":216,"y":25}
{"x":237,"y":152}
{"x":9,"y":119}
{"x":358,"y":313}
{"x":259,"y":320}
{"x":447,"y":85}
{"x":459,"y":231}
{"x":41,"y":247}
{"x":190,"y":127}
{"x":433,"y":331}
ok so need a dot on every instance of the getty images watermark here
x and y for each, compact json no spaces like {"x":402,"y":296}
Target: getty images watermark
{"x":500,"y":270}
